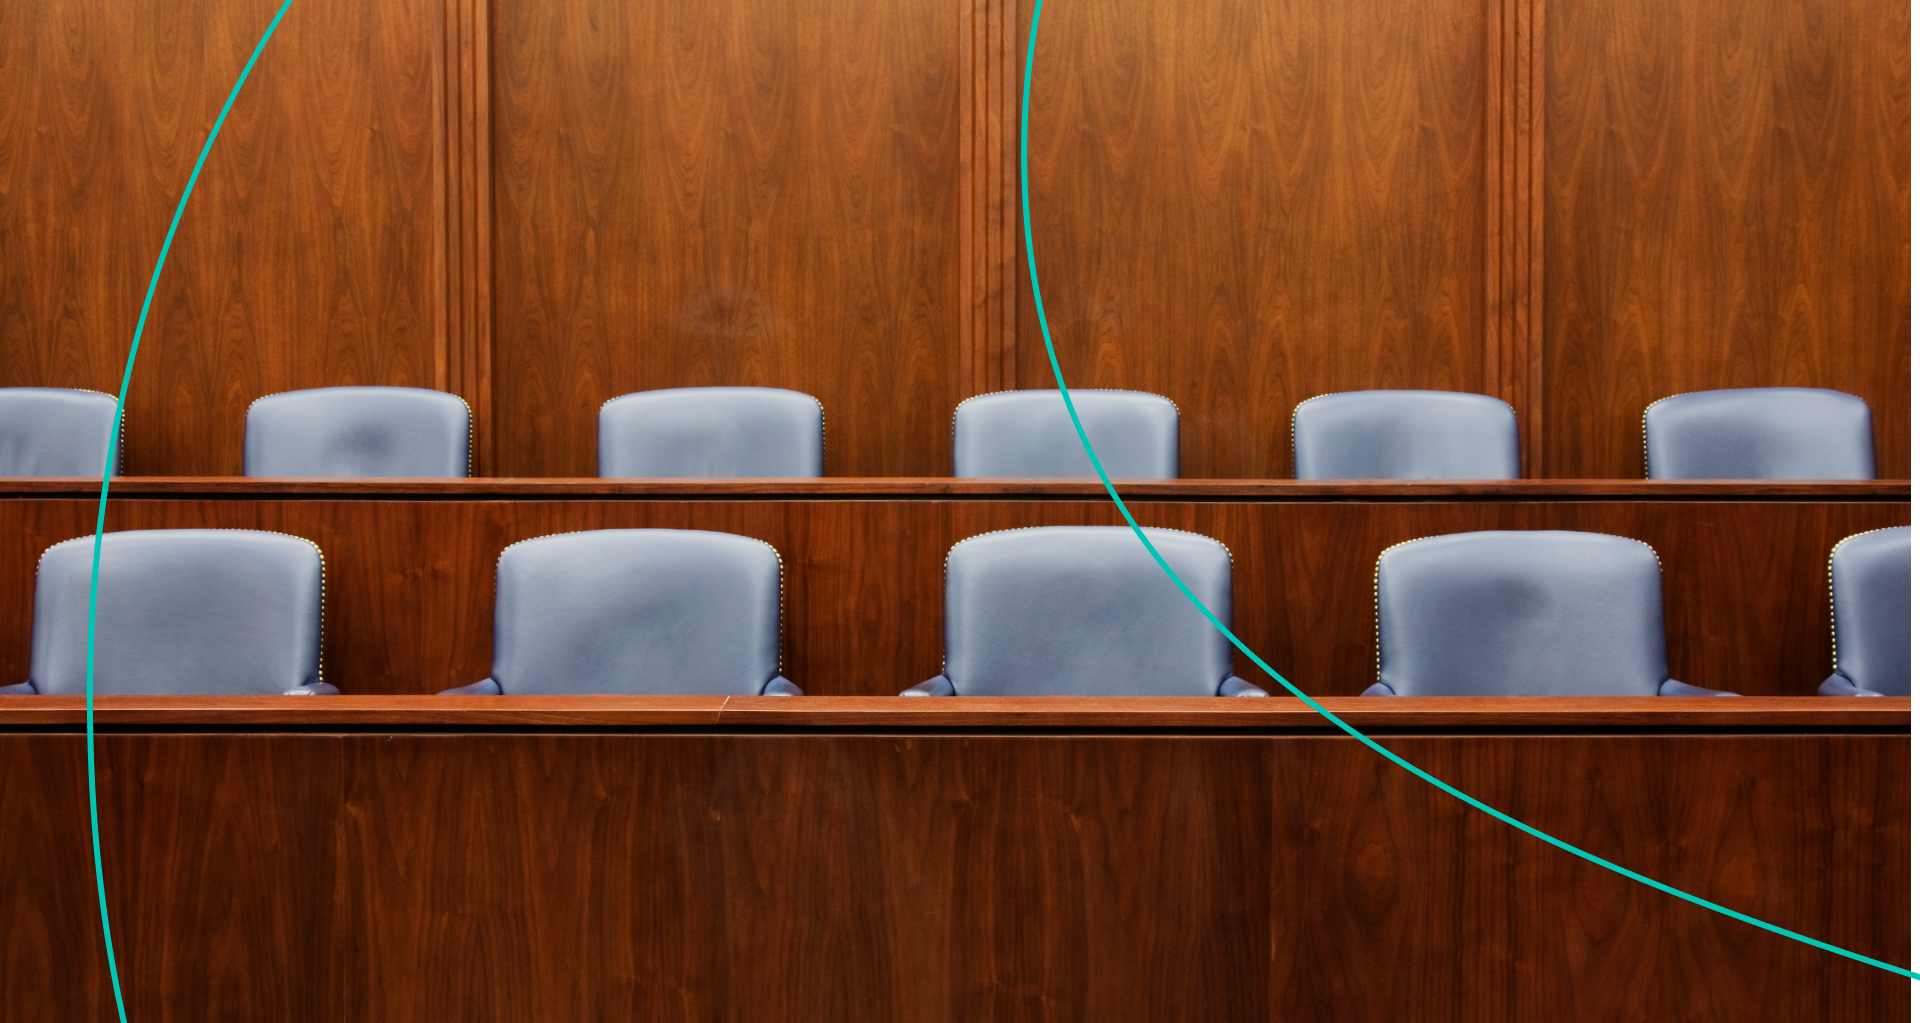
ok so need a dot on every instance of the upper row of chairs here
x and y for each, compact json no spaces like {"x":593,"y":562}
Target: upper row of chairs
{"x":1051,"y":610}
{"x":1751,"y":433}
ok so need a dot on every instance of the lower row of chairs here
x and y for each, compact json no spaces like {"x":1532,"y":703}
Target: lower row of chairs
{"x":1058,"y":610}
{"x":1745,"y":433}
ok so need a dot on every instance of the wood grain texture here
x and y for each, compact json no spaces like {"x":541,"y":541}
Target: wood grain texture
{"x":1882,"y":491}
{"x":219,"y":856}
{"x":1516,"y":154}
{"x":1242,"y":206}
{"x":306,"y":257}
{"x":464,"y":260}
{"x":967,"y":877}
{"x":774,"y":202}
{"x":410,"y":582}
{"x":1727,"y":189}
{"x":1703,"y":715}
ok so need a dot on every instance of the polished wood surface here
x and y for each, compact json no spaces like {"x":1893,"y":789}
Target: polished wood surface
{"x":1727,"y":196}
{"x":1242,"y":206}
{"x":410,"y":574}
{"x":739,"y":192}
{"x":1043,"y":872}
{"x":962,"y":489}
{"x":1890,"y":715}
{"x":1575,"y":205}
{"x":307,"y":256}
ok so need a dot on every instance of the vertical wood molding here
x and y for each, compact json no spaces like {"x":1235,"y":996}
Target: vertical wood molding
{"x":465,"y":259}
{"x":1516,"y":152}
{"x":989,"y":196}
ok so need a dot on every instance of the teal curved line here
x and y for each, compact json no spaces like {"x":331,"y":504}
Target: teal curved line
{"x":1053,"y":359}
{"x":106,"y":481}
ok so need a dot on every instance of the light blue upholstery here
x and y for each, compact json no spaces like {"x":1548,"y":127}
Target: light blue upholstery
{"x":182,"y":611}
{"x":1028,"y":435}
{"x":1871,"y":580}
{"x":1085,"y":611}
{"x":637,"y":611}
{"x":1405,"y":435}
{"x":1535,"y":613}
{"x":54,"y":431}
{"x":711,"y":432}
{"x":1760,"y":433}
{"x":358,"y":432}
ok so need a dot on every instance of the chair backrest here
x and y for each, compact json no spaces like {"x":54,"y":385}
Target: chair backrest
{"x":1085,"y":611}
{"x":1535,"y":613}
{"x":359,"y":432}
{"x":637,"y":611}
{"x":1405,"y":435}
{"x":1870,"y":577}
{"x":182,"y":611}
{"x":1759,"y":433}
{"x":710,"y":432}
{"x":54,"y":431}
{"x":1028,"y":435}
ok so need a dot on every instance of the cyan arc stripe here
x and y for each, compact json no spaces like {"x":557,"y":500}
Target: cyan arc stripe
{"x":1053,"y":360}
{"x":106,"y":481}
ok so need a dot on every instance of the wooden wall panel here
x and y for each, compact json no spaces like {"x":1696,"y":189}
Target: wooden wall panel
{"x":307,"y":254}
{"x":954,"y":877}
{"x":1727,"y":207}
{"x":1242,"y":206}
{"x":738,"y":192}
{"x":410,"y":583}
{"x":220,"y":862}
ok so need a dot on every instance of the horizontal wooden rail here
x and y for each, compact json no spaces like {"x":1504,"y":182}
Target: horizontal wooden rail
{"x":963,"y":713}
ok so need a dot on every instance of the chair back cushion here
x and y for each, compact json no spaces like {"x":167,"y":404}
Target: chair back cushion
{"x":712,"y":432}
{"x":1405,"y":435}
{"x":1535,"y":613}
{"x":1871,"y":577}
{"x":182,"y":611}
{"x":1760,"y":433}
{"x":54,"y":431}
{"x":1085,"y":611}
{"x":358,"y":432}
{"x":637,"y":611}
{"x":1028,"y":435}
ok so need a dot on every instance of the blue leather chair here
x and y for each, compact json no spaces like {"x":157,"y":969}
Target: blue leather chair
{"x":1085,"y":611}
{"x":1759,"y":433}
{"x":637,"y":611}
{"x":54,"y":431}
{"x":712,"y":432}
{"x":181,"y":611}
{"x":1536,"y":613}
{"x":1028,"y":435}
{"x":1870,"y":577}
{"x":1405,"y":435}
{"x":359,"y":432}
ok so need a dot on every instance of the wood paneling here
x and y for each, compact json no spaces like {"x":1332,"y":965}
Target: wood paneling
{"x":307,"y":254}
{"x":1727,"y":207}
{"x":962,"y":877}
{"x":410,"y":582}
{"x":1242,"y":206}
{"x":1177,"y":714}
{"x":219,"y":856}
{"x":737,"y":192}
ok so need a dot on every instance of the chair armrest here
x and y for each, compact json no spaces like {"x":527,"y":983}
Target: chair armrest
{"x":777,"y":686}
{"x":19,"y":689}
{"x":484,"y":687}
{"x":1378,"y":689}
{"x":1835,"y":685}
{"x":312,"y":689}
{"x":939,"y":685}
{"x":1672,"y":688}
{"x":1235,"y":686}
